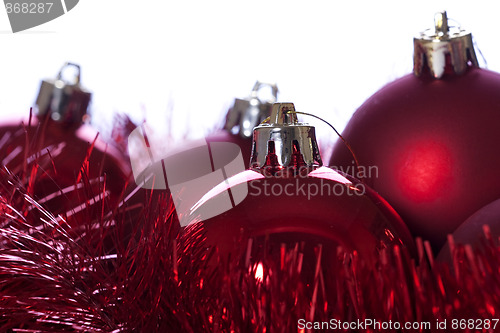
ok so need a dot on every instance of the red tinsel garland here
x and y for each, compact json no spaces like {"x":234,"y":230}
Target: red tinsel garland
{"x":126,"y":271}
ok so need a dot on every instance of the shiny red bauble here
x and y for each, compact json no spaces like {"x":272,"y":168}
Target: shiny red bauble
{"x":287,"y":197}
{"x":428,"y":147}
{"x":318,"y":205}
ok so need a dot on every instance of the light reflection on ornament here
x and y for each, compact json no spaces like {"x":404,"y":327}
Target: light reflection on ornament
{"x":431,"y":136}
{"x":425,"y":171}
{"x":326,"y":173}
{"x":259,"y":272}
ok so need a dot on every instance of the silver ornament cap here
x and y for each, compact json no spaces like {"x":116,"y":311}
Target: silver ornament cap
{"x":442,"y":46}
{"x":284,"y":141}
{"x":249,"y":112}
{"x":64,"y":100}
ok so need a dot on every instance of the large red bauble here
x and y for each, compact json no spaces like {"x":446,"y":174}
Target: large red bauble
{"x":288,"y":197}
{"x":431,"y":148}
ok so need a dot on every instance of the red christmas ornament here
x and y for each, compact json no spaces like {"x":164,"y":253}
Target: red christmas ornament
{"x":287,"y":196}
{"x":54,"y":153}
{"x":240,"y":121}
{"x":145,"y":150}
{"x":483,"y":225}
{"x":123,"y":126}
{"x":424,"y":141}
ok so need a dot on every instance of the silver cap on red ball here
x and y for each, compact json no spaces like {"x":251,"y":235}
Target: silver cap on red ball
{"x":65,"y":101}
{"x":248,"y":113}
{"x":284,"y":140}
{"x":442,"y":46}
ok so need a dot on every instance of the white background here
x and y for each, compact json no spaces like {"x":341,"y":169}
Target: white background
{"x":184,"y":62}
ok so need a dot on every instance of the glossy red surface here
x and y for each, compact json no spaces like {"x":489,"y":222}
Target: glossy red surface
{"x":433,"y":144}
{"x":319,"y":206}
{"x":179,"y":157}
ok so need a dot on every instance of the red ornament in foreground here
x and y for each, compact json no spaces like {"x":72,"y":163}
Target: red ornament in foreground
{"x":427,"y":138}
{"x":288,"y":197}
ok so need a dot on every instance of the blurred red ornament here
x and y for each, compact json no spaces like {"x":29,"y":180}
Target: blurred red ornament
{"x":288,"y":197}
{"x":54,"y":153}
{"x":427,"y":137}
{"x":241,"y":118}
{"x":122,"y":127}
{"x":192,"y":168}
{"x":482,"y":226}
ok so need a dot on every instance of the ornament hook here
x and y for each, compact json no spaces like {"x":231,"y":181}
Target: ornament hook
{"x":441,"y":23}
{"x":283,"y":114}
{"x":344,"y":141}
{"x":78,"y":72}
{"x":259,"y":85}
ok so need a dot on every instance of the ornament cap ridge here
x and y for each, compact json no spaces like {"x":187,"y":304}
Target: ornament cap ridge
{"x":284,"y":141}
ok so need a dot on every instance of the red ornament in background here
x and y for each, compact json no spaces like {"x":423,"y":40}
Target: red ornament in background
{"x":54,"y":153}
{"x":153,"y":161}
{"x":122,"y":127}
{"x":241,"y":118}
{"x":288,"y":197}
{"x":472,"y":231}
{"x":431,"y":136}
